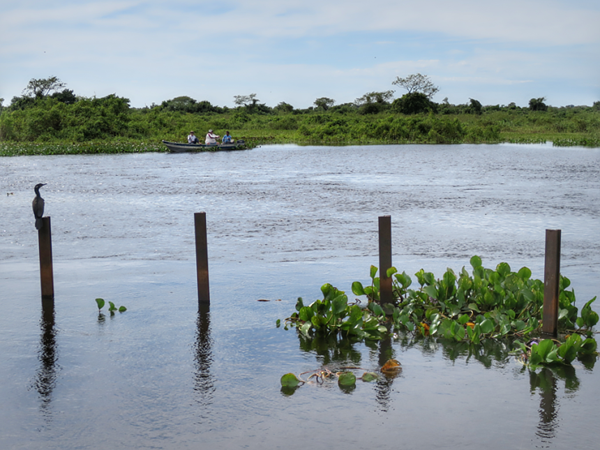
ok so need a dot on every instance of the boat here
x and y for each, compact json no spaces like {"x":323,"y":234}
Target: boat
{"x":180,"y":147}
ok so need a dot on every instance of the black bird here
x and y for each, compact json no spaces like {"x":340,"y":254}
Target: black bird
{"x":38,"y":206}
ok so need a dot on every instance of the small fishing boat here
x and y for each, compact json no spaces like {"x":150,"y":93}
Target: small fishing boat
{"x":179,"y":147}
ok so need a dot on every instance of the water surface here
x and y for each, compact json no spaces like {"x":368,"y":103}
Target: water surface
{"x":282,"y":221}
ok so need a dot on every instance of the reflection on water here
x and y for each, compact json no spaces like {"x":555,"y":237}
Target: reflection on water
{"x":335,"y":353}
{"x":204,"y":384}
{"x":383,"y":387}
{"x":546,"y":381}
{"x":46,"y":376}
{"x":548,"y":425}
{"x":332,"y":350}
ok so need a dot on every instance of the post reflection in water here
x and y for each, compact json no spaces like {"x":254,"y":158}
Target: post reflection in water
{"x":204,"y":383}
{"x":546,"y":381}
{"x":383,"y":388}
{"x":46,"y":376}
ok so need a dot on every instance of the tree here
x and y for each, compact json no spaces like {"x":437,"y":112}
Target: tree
{"x":474,"y":107}
{"x":324,"y":103}
{"x":245,"y":100}
{"x":413,"y":103}
{"x":537,"y":104}
{"x":66,"y":96}
{"x":283,"y":108}
{"x":41,"y":87}
{"x":375,"y":97}
{"x":187,"y":104}
{"x":417,"y":83}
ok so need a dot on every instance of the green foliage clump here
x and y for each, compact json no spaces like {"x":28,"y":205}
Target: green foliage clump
{"x":50,"y":117}
{"x":463,"y":307}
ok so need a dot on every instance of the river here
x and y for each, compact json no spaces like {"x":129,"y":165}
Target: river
{"x":282,"y":221}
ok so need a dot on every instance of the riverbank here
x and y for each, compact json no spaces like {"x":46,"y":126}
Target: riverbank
{"x":127,"y":146}
{"x":54,"y":128}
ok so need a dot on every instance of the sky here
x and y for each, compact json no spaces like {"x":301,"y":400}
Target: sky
{"x":296,"y":51}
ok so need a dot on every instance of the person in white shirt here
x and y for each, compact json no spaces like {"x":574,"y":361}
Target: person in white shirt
{"x":211,"y":138}
{"x":193,"y":139}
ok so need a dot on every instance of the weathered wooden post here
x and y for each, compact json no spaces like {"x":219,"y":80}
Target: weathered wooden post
{"x":551,"y":282}
{"x":385,"y":258}
{"x":202,"y":258}
{"x":46,"y":270}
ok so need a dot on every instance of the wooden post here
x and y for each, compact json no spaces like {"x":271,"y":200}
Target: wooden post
{"x":46,"y":271}
{"x":551,"y":282}
{"x":385,"y":258}
{"x":202,"y":258}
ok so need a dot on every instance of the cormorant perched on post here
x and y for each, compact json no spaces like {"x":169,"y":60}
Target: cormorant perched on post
{"x":38,"y":206}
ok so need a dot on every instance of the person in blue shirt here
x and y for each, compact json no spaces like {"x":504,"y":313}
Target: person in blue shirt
{"x":227,"y":139}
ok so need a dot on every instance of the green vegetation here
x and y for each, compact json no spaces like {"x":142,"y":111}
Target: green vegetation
{"x":346,"y":376}
{"x":111,"y":307}
{"x":463,"y":307}
{"x":50,"y":119}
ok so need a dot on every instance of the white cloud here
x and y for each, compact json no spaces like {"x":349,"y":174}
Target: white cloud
{"x":150,"y":50}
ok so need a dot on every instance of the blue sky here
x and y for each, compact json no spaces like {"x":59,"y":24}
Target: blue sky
{"x":298,"y":50}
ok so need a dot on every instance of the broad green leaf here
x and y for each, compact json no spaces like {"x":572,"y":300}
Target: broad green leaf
{"x":100,"y":302}
{"x":122,"y":309}
{"x":431,"y":291}
{"x":355,"y":314}
{"x":503,"y":269}
{"x":403,"y":279}
{"x":339,"y":305}
{"x":376,"y":309}
{"x":588,"y":346}
{"x":534,"y":357}
{"x":290,"y":380}
{"x":475,"y":262}
{"x":524,"y":273}
{"x":346,"y":379}
{"x":463,"y":319}
{"x":373,"y":271}
{"x":487,"y":326}
{"x":474,"y":307}
{"x":299,"y":304}
{"x":305,"y":328}
{"x":391,"y":271}
{"x":591,"y":319}
{"x":544,"y":348}
{"x":305,"y":313}
{"x":429,"y":278}
{"x":357,"y":288}
{"x":369,"y":376}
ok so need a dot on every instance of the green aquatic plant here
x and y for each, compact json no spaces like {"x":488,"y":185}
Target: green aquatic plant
{"x":485,"y":304}
{"x":346,"y":376}
{"x":111,"y":307}
{"x":550,"y":352}
{"x":333,"y":314}
{"x":461,"y":307}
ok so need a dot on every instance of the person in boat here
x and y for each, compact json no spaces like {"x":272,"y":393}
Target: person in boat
{"x":192,"y":138}
{"x":211,"y":138}
{"x":227,"y":139}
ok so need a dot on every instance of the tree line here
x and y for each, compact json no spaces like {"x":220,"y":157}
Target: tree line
{"x":47,"y":110}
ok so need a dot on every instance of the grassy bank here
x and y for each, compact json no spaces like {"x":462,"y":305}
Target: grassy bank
{"x":109,"y":126}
